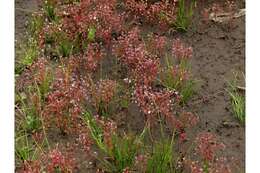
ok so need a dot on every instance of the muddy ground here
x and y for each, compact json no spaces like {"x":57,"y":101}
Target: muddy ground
{"x":219,"y":50}
{"x":23,"y":10}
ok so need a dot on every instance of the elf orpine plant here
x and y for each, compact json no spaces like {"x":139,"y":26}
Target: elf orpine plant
{"x":146,"y":71}
{"x":163,"y":12}
{"x":129,"y":48}
{"x":101,"y":94}
{"x":177,"y":73}
{"x":156,"y":45}
{"x":105,"y":92}
{"x":60,"y":161}
{"x":92,"y":57}
{"x":92,"y":20}
{"x":30,"y":167}
{"x":156,"y":104}
{"x":207,"y":147}
{"x":63,"y":105}
{"x":181,"y":51}
{"x":86,"y":141}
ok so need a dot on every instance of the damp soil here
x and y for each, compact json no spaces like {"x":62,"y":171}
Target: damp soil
{"x":219,"y":50}
{"x":23,"y":11}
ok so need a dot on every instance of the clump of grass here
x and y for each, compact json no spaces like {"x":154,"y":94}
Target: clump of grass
{"x":31,"y":102}
{"x":29,"y":54}
{"x":49,"y":8}
{"x":31,"y":122}
{"x":27,"y":149}
{"x":237,"y":100}
{"x":95,"y":130}
{"x":65,"y":48}
{"x":178,"y":77}
{"x":23,"y":149}
{"x":184,"y":15}
{"x":238,"y":104}
{"x":30,"y":50}
{"x":36,"y":24}
{"x":162,"y":158}
{"x":120,"y":151}
{"x":29,"y":108}
{"x":91,"y":34}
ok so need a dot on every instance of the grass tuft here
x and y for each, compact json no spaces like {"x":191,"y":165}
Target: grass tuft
{"x":184,"y":15}
{"x":237,"y":100}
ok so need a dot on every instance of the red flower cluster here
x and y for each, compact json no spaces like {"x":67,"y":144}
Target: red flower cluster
{"x":132,"y":52}
{"x":188,"y":119}
{"x":156,"y":45}
{"x":105,"y":90}
{"x":41,"y":70}
{"x":154,"y":103}
{"x":179,"y":50}
{"x":51,"y":162}
{"x":208,"y":145}
{"x":100,"y":94}
{"x":216,"y":166}
{"x":129,"y":48}
{"x":64,"y":103}
{"x":86,"y":141}
{"x":100,"y":15}
{"x":108,"y":128}
{"x":92,"y":57}
{"x":220,"y":165}
{"x":146,"y":71}
{"x":31,"y":167}
{"x":58,"y":161}
{"x":162,"y":11}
